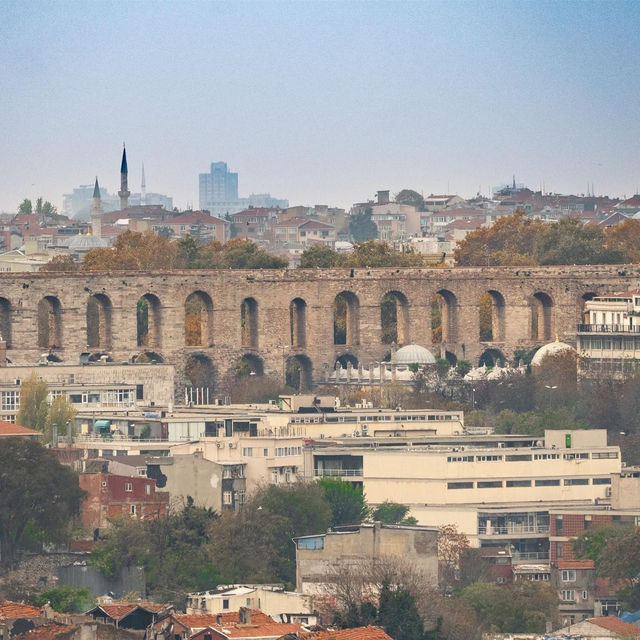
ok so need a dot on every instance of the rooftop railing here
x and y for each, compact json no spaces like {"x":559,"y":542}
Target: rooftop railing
{"x":607,"y":328}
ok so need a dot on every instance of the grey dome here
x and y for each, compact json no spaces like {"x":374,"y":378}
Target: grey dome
{"x":413,"y":354}
{"x":551,"y":349}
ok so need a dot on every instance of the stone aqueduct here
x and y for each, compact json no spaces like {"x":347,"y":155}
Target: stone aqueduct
{"x":269,"y":317}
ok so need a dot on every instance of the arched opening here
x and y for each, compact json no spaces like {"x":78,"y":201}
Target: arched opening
{"x":346,"y":311}
{"x":249,"y":323}
{"x":451,"y":358}
{"x":491,"y":312}
{"x":249,"y":365}
{"x":198,"y":320}
{"x":346,"y":359}
{"x":99,"y":322}
{"x":541,"y":317}
{"x":394,"y":318}
{"x":5,"y":321}
{"x":149,"y":321}
{"x":49,"y":323}
{"x":491,"y":358}
{"x":200,"y":374}
{"x":299,"y":373}
{"x":583,"y":315}
{"x":148,"y":357}
{"x":443,"y":317}
{"x":298,"y":322}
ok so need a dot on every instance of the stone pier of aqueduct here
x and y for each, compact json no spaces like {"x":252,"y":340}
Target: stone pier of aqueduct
{"x":269,"y":317}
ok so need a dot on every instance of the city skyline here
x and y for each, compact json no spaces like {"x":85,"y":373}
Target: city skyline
{"x":321,"y":102}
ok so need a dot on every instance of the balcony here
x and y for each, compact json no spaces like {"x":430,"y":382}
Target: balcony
{"x":337,"y":473}
{"x":513,"y":529}
{"x":530,"y":556}
{"x":607,"y":328}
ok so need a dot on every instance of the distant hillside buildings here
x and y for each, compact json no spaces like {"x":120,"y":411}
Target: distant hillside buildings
{"x":218,"y":193}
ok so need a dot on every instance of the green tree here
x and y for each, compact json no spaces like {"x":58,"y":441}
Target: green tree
{"x":442,"y":367}
{"x":38,"y":498}
{"x":362,"y":227}
{"x":319,"y":256}
{"x":377,"y":253}
{"x":570,"y":241}
{"x":521,"y":607}
{"x":25,"y":206}
{"x":410,"y":197}
{"x":59,"y":413}
{"x":66,"y":599}
{"x":463,"y":367}
{"x":392,"y":513}
{"x":254,"y":545}
{"x":398,"y":614}
{"x":33,"y":403}
{"x":347,"y":501}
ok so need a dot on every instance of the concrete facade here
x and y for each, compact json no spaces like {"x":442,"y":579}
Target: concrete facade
{"x":44,"y":312}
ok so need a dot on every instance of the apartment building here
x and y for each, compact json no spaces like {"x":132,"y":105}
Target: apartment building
{"x":608,"y":339}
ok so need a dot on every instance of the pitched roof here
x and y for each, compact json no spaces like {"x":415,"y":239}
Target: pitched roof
{"x":46,"y":632}
{"x":270,"y":629}
{"x":358,"y":633}
{"x":202,"y":620}
{"x":119,"y":610}
{"x":12,"y":610}
{"x":616,"y":625}
{"x":8,"y":429}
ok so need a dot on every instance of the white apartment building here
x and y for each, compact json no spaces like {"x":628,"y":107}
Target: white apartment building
{"x":608,"y":340}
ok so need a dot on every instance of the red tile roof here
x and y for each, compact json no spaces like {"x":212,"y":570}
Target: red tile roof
{"x":358,"y":633}
{"x":12,"y":610}
{"x":202,"y":620}
{"x":254,"y":630}
{"x":616,"y":625}
{"x":117,"y":611}
{"x":8,"y":429}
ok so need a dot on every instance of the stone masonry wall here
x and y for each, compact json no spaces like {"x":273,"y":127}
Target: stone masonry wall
{"x":273,"y":290}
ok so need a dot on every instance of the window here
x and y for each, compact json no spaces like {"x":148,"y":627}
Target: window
{"x":576,"y":481}
{"x":225,"y":603}
{"x":488,"y":458}
{"x":501,"y":580}
{"x":546,"y":456}
{"x":559,"y":549}
{"x":10,"y":400}
{"x":227,"y":497}
{"x":311,"y":544}
{"x":601,"y":481}
{"x":265,"y":453}
{"x":489,"y":484}
{"x":518,"y":457}
{"x":287,"y":475}
{"x":576,"y":456}
{"x":585,"y":595}
{"x":460,"y":459}
{"x":518,"y":483}
{"x":548,"y":483}
{"x":568,"y":575}
{"x":288,"y":451}
{"x":568,"y":595}
{"x":558,"y":524}
{"x":128,"y":486}
{"x":133,"y":509}
{"x":147,"y":489}
{"x":459,"y":485}
{"x":598,"y":455}
{"x":247,"y":451}
{"x":274,"y":477}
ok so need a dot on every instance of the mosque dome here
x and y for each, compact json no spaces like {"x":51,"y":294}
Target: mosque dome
{"x":413,"y":354}
{"x":551,"y":349}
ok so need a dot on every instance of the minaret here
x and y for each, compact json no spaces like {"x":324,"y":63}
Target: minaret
{"x":124,"y":192}
{"x":96,"y":212}
{"x":143,"y":189}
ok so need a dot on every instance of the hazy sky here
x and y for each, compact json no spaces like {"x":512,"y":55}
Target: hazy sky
{"x":319,"y":102}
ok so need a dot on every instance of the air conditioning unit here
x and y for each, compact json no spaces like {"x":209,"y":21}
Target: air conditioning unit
{"x":607,"y":492}
{"x":232,"y":445}
{"x":365,"y":428}
{"x":219,"y":445}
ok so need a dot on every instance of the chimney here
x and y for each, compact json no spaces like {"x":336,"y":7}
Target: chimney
{"x":244,"y":615}
{"x":383,"y":197}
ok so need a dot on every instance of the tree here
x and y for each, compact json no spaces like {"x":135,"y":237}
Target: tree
{"x":452,"y":545}
{"x":521,"y":607}
{"x":319,"y":256}
{"x":377,"y":253}
{"x":60,"y":263}
{"x":508,"y":242}
{"x":625,"y":239}
{"x":347,"y":501}
{"x":410,"y":197}
{"x":25,"y":206}
{"x":392,"y":513}
{"x":38,"y":497}
{"x":398,"y":614}
{"x":33,"y":403}
{"x":254,"y":545}
{"x":60,"y":413}
{"x":463,"y":367}
{"x":240,"y":253}
{"x":362,"y":227}
{"x":570,"y":241}
{"x":66,"y":599}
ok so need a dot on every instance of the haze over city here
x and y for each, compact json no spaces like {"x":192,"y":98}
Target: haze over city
{"x":320,"y":102}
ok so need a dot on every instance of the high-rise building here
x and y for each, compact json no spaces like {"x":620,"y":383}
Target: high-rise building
{"x":219,"y":190}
